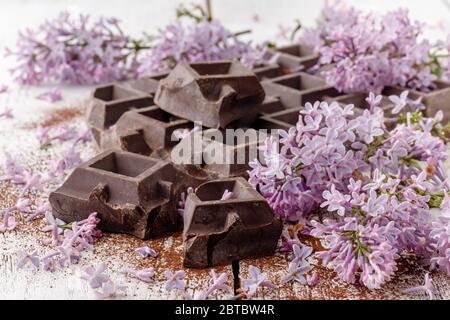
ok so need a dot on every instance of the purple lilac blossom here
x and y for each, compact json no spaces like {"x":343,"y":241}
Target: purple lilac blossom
{"x":370,"y":51}
{"x":146,"y":252}
{"x":53,"y":95}
{"x":145,"y":275}
{"x":375,"y":188}
{"x":74,"y":49}
{"x":427,"y":288}
{"x":7,"y":113}
{"x":202,"y":40}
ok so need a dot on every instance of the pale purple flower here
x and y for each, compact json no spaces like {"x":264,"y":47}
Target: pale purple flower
{"x":301,"y":252}
{"x":25,"y":258}
{"x":181,"y":134}
{"x":3,"y":88}
{"x":312,"y":280}
{"x":53,"y":95}
{"x":145,"y":275}
{"x":23,"y":205}
{"x":198,"y":295}
{"x":146,"y":252}
{"x":76,"y":50}
{"x":175,"y":280}
{"x":440,"y":233}
{"x":95,"y":276}
{"x":182,"y":201}
{"x":256,"y":280}
{"x":42,"y":207}
{"x":30,"y":181}
{"x":218,"y":282}
{"x":427,"y":288}
{"x":376,"y":205}
{"x":369,"y":51}
{"x":190,"y":42}
{"x":374,"y":100}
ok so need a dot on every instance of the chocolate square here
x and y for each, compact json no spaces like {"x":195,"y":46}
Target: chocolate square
{"x":218,"y":232}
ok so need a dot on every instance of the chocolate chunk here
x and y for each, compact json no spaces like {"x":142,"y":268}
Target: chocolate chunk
{"x":299,"y":88}
{"x":213,"y":154}
{"x":132,"y":194}
{"x":213,"y":93}
{"x":152,"y":125}
{"x":294,"y":56}
{"x":109,"y":103}
{"x":218,"y":232}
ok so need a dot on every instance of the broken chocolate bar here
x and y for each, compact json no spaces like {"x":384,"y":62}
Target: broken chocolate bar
{"x":131,"y":193}
{"x":212,"y":93}
{"x":218,"y":232}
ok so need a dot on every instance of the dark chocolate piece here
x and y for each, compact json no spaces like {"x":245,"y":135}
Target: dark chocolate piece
{"x":267,"y":71}
{"x":293,"y":56}
{"x":109,"y":103}
{"x":132,"y":194}
{"x":218,"y":232}
{"x":213,"y":93}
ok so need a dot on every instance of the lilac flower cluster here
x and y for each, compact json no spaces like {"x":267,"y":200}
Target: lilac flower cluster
{"x":202,"y":40}
{"x":378,"y":187}
{"x":370,"y":51}
{"x":74,"y":49}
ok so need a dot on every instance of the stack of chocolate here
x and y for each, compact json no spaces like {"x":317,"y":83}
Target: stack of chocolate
{"x":135,"y":184}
